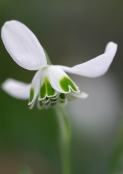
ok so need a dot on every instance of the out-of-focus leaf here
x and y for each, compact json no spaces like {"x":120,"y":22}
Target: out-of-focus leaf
{"x":25,"y":170}
{"x":116,"y":162}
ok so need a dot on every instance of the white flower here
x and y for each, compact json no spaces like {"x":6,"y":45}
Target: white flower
{"x":50,"y":85}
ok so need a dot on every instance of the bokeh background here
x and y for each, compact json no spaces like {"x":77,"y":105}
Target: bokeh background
{"x":72,"y":32}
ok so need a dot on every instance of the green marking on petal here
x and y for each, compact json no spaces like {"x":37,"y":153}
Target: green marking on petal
{"x":65,"y":82}
{"x":43,"y":90}
{"x":50,"y":90}
{"x":62,"y":96}
{"x":46,"y":89}
{"x":47,"y":98}
{"x":31,"y":94}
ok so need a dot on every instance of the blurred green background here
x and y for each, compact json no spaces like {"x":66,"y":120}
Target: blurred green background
{"x":72,"y":32}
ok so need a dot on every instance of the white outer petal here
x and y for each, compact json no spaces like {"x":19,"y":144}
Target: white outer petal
{"x":22,"y":45}
{"x":36,"y":85}
{"x":97,"y":66}
{"x":16,"y":89}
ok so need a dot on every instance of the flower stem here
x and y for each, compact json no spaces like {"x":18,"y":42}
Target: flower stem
{"x":64,"y":140}
{"x":47,"y":57}
{"x":64,"y":135}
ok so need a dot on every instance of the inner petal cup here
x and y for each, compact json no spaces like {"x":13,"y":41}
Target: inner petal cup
{"x":43,"y":89}
{"x":46,"y":90}
{"x":60,"y":81}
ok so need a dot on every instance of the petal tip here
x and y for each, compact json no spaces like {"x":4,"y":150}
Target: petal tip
{"x":111,"y":45}
{"x":16,"y":89}
{"x":97,"y":66}
{"x":10,"y":22}
{"x":7,"y":24}
{"x":5,"y":84}
{"x":85,"y":95}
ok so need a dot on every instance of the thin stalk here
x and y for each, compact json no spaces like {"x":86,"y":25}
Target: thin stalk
{"x":64,"y":135}
{"x":64,"y":140}
{"x":47,"y":57}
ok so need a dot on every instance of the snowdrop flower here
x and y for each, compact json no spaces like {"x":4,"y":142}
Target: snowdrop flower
{"x":50,"y":85}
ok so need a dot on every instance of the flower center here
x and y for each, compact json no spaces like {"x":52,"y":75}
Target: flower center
{"x":51,"y":86}
{"x":59,"y":99}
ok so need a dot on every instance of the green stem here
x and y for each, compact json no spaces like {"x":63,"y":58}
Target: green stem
{"x":64,"y":140}
{"x":47,"y":57}
{"x":64,"y":135}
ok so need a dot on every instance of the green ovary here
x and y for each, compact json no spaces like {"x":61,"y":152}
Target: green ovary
{"x":46,"y":89}
{"x":65,"y":82}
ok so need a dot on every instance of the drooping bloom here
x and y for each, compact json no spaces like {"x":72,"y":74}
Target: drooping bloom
{"x":50,"y":85}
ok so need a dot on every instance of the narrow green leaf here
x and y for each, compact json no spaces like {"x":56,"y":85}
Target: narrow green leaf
{"x":116,"y":161}
{"x":24,"y":170}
